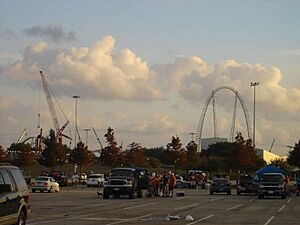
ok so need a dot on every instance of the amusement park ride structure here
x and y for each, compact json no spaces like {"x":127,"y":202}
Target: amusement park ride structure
{"x":202,"y":117}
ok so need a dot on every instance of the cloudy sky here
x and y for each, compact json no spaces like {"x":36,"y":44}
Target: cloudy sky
{"x":146,"y":68}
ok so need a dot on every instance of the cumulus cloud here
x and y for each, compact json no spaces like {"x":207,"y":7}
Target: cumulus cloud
{"x":54,"y":32}
{"x":93,"y":72}
{"x":6,"y":102}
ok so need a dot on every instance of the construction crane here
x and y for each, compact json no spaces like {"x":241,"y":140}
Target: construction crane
{"x":22,"y":135}
{"x":101,"y":147}
{"x":49,"y":95}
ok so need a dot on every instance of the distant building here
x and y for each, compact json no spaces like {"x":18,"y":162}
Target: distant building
{"x":267,"y":155}
{"x":205,"y":142}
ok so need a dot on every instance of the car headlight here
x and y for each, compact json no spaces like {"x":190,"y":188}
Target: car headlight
{"x":129,"y":182}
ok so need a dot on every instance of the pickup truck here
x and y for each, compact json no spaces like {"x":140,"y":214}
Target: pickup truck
{"x":125,"y":181}
{"x":272,"y":184}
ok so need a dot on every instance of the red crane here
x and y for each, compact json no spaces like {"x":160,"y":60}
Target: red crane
{"x":49,"y":95}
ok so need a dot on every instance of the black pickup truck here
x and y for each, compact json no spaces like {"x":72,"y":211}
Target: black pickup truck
{"x":125,"y":181}
{"x":272,"y":184}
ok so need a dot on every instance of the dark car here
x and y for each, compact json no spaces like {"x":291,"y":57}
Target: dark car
{"x":125,"y":181}
{"x":245,"y":185}
{"x":298,"y":186}
{"x":272,"y":184}
{"x":59,"y":177}
{"x":220,"y":185}
{"x":14,"y":196}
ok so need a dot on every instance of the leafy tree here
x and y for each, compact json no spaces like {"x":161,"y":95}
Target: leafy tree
{"x":81,"y":156}
{"x":134,"y":155}
{"x":294,"y":155}
{"x":112,"y":154}
{"x":193,"y":156}
{"x":2,"y":154}
{"x":175,"y":153}
{"x":23,"y":155}
{"x":282,"y":163}
{"x":55,"y":153}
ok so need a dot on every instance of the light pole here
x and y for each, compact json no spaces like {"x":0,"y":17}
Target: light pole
{"x":254,"y":84}
{"x":76,"y":97}
{"x":86,"y":135}
{"x":192,"y":134}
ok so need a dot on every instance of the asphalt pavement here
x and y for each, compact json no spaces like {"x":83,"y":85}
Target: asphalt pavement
{"x":83,"y":206}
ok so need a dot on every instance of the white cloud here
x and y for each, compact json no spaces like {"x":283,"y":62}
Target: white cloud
{"x":6,"y":102}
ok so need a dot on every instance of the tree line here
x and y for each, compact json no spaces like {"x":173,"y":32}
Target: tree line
{"x":238,"y":156}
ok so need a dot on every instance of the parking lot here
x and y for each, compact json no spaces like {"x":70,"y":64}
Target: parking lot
{"x":83,"y":206}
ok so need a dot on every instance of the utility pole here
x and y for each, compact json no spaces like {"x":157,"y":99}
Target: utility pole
{"x":254,"y":84}
{"x":76,"y":97}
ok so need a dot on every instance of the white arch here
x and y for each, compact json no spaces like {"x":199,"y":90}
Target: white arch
{"x":201,"y":121}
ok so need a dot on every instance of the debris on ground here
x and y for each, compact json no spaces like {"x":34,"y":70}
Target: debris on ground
{"x":189,"y":218}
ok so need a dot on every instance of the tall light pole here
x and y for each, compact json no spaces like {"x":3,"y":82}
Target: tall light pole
{"x":86,"y":135}
{"x":254,"y":84}
{"x":76,"y":97}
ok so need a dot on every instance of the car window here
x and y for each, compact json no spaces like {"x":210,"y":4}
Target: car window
{"x":42,"y":179}
{"x":1,"y":178}
{"x":8,"y":180}
{"x":19,"y":179}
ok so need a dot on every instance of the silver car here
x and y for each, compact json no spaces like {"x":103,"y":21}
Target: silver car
{"x":44,"y":183}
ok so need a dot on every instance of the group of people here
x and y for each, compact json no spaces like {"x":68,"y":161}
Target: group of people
{"x":161,"y":185}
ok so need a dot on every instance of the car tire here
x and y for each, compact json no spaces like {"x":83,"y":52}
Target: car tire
{"x":211,"y":192}
{"x":105,"y":195}
{"x":297,"y":193}
{"x":22,"y":218}
{"x":238,"y":193}
{"x":33,"y":190}
{"x":132,"y":195}
{"x":228,"y":192}
{"x":140,"y":194}
{"x":260,"y":196}
{"x":283,"y":196}
{"x":50,"y":190}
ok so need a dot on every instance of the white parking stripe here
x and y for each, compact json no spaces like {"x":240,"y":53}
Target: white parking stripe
{"x":180,"y":198}
{"x":186,"y":207}
{"x":138,"y":206}
{"x":251,"y":200}
{"x":288,"y":201}
{"x":234,"y":207}
{"x":269,"y":220}
{"x":126,"y":220}
{"x":282,"y":207}
{"x":205,"y":218}
{"x":216,"y":199}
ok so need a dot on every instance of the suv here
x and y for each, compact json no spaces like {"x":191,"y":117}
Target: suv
{"x":125,"y":181}
{"x":272,"y":184}
{"x":14,"y":196}
{"x":95,"y":179}
{"x":245,"y":185}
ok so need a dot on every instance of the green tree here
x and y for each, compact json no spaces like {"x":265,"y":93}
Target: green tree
{"x":134,"y":155}
{"x":2,"y":154}
{"x":23,"y":155}
{"x":81,"y":156}
{"x":175,"y":153}
{"x":294,"y":155}
{"x":193,"y":156}
{"x":282,"y":163}
{"x":112,"y":154}
{"x":55,"y":153}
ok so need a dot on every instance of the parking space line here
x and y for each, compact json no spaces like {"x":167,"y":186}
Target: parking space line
{"x":186,"y":207}
{"x":180,"y":198}
{"x":282,"y":207}
{"x":138,"y":206}
{"x":200,"y":220}
{"x":126,"y":220}
{"x":216,"y":199}
{"x":269,"y":220}
{"x":234,"y":207}
{"x":288,"y":201}
{"x":251,"y":200}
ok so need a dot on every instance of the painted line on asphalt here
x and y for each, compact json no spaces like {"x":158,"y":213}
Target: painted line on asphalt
{"x":234,"y":207}
{"x":186,"y":207}
{"x":216,"y":199}
{"x":282,"y":207}
{"x":200,"y":220}
{"x":251,"y":200}
{"x":269,"y":220}
{"x":41,"y":222}
{"x":180,"y":198}
{"x":288,"y":201}
{"x":138,"y":206}
{"x":126,"y":220}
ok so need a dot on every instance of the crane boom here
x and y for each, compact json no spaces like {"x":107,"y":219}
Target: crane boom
{"x":48,"y":92}
{"x":97,"y":138}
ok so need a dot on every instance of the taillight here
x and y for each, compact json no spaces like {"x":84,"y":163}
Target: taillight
{"x":45,"y":183}
{"x":33,"y":184}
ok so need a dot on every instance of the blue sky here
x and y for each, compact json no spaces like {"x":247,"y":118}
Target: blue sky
{"x":157,"y":33}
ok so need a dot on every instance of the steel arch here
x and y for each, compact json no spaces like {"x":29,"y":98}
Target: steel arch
{"x":201,"y":121}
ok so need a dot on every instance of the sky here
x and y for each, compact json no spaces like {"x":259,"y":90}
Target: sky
{"x":146,"y":68}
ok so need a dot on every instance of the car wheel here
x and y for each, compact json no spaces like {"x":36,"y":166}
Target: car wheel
{"x":211,"y":192}
{"x":297,"y":193}
{"x":283,"y":196}
{"x":238,"y":193}
{"x":260,"y":196}
{"x":105,"y":195}
{"x":22,"y":218}
{"x":33,"y":190}
{"x":228,"y":192}
{"x":132,"y":195}
{"x":140,"y":194}
{"x":88,"y":185}
{"x":50,"y":190}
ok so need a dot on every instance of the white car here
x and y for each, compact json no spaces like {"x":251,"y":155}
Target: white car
{"x":44,"y":183}
{"x":95,"y":180}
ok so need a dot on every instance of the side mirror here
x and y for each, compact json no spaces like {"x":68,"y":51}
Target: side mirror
{"x":5,"y":188}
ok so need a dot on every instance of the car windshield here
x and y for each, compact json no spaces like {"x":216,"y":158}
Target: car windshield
{"x":42,"y":179}
{"x":246,"y":179}
{"x":271,"y":178}
{"x":122,"y":173}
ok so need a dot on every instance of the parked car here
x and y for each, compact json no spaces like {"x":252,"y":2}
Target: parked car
{"x":59,"y":177}
{"x":82,"y":177}
{"x":14,"y":196}
{"x":272,"y":184}
{"x":95,"y":180}
{"x":219,"y":185}
{"x":44,"y":183}
{"x":179,"y":182}
{"x":245,"y":184}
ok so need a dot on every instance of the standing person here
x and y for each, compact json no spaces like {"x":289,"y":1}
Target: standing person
{"x":172,"y":184}
{"x":165,"y":184}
